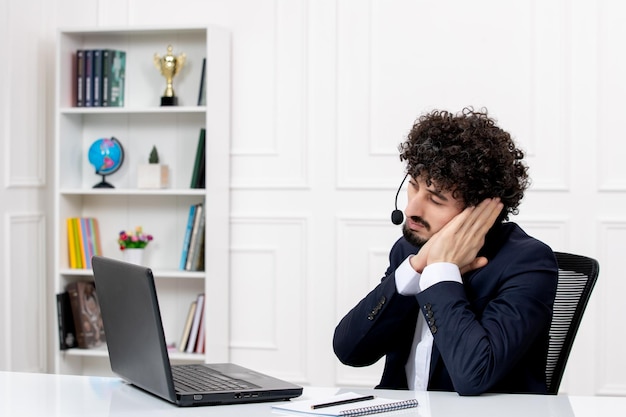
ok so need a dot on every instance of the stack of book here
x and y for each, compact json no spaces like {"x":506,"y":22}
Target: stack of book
{"x":192,"y":257}
{"x":83,"y":241}
{"x":192,"y":339}
{"x":100,"y":75}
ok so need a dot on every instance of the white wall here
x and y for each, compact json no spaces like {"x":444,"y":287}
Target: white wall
{"x":323,"y":92}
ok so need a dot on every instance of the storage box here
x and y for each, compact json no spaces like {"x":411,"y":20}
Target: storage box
{"x":152,"y":176}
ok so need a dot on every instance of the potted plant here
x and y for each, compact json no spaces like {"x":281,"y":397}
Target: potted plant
{"x":153,"y":174}
{"x":132,"y":244}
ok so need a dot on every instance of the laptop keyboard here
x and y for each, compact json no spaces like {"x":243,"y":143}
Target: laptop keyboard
{"x":200,"y":378}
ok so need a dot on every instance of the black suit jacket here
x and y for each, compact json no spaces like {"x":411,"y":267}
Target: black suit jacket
{"x":490,"y":333}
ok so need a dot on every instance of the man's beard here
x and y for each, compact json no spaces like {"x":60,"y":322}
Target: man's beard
{"x":411,"y":236}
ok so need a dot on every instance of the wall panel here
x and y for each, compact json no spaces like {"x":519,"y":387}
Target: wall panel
{"x":610,"y":289}
{"x":267,"y":297}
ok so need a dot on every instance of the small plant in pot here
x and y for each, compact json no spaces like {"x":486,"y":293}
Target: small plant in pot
{"x":153,"y":174}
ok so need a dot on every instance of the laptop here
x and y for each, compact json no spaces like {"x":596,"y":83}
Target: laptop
{"x":138,"y":352}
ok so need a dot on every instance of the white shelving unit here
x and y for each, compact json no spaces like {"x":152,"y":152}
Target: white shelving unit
{"x":139,"y":125}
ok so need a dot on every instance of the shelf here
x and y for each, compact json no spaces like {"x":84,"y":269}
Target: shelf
{"x":130,"y":110}
{"x":102,"y":352}
{"x":158,"y":274}
{"x":134,"y":191}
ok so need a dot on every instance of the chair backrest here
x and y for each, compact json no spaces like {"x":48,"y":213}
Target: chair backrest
{"x":577,"y":277}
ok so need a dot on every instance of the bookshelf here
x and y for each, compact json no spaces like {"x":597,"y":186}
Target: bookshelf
{"x":141,"y":124}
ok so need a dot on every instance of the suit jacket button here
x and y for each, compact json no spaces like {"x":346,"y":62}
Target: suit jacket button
{"x":433,"y":329}
{"x":370,"y":317}
{"x":428,"y":306}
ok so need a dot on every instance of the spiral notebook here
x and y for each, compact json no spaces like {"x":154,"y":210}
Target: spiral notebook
{"x":352,"y":405}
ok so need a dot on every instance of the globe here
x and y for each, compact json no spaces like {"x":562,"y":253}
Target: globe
{"x":107,"y":156}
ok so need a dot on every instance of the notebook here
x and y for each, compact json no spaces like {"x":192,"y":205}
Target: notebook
{"x":346,"y":404}
{"x":138,"y":352}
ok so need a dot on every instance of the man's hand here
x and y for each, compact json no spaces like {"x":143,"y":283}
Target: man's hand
{"x":460,"y":239}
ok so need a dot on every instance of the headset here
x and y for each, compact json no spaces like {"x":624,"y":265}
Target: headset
{"x":397,"y":217}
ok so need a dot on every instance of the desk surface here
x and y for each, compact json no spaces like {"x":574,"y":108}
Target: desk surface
{"x":24,"y":394}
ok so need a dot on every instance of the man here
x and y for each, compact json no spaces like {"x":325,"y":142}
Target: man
{"x":466,"y":302}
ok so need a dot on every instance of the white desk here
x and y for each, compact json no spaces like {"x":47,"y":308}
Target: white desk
{"x":23,"y":394}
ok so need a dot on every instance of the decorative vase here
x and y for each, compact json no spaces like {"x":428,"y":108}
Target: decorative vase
{"x":133,"y":255}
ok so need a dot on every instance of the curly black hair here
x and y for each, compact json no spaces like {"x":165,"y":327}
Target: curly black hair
{"x":469,"y":155}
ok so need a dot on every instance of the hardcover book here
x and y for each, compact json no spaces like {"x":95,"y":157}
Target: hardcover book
{"x":184,"y":338}
{"x":194,"y":242}
{"x":88,"y":78}
{"x":117,"y":78}
{"x":198,"y":175}
{"x":86,"y":313}
{"x":97,"y":77}
{"x":202,"y":93}
{"x":67,"y":330}
{"x":80,"y":78}
{"x":187,"y":238}
{"x":195,"y":324}
{"x":106,"y":75}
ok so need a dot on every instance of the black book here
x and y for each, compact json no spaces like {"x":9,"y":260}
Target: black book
{"x":201,"y":92}
{"x":67,"y":330}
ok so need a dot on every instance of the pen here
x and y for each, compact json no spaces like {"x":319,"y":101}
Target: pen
{"x":342,"y":402}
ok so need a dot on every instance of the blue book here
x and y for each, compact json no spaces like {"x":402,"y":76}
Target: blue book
{"x":187,"y":239}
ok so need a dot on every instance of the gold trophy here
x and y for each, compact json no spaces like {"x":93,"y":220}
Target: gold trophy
{"x":169,"y":65}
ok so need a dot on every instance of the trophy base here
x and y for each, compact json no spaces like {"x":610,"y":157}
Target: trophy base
{"x":169,"y":101}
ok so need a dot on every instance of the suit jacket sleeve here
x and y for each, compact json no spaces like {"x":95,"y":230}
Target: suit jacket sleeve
{"x":376,"y":325}
{"x":481,"y":341}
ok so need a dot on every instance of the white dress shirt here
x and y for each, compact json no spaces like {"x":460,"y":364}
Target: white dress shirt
{"x":409,"y":282}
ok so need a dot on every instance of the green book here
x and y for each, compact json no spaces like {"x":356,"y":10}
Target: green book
{"x":113,"y":78}
{"x":197,"y":177}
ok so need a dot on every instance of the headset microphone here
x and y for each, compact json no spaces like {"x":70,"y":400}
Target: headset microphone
{"x":396,"y":216}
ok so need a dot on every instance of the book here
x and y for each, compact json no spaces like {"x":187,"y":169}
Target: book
{"x":97,"y":77}
{"x":67,"y":329}
{"x":76,"y":243}
{"x":195,"y":325}
{"x":198,"y":174}
{"x":187,"y":238}
{"x":86,"y":249}
{"x":88,"y":77}
{"x":347,"y":404}
{"x":80,"y":78}
{"x":71,"y":244}
{"x":86,"y":313}
{"x":198,"y":221}
{"x":182,"y":346}
{"x":197,"y":261}
{"x":117,"y":78}
{"x":195,"y":257}
{"x":201,"y":333}
{"x":107,"y":64}
{"x":94,"y":235}
{"x":201,"y":92}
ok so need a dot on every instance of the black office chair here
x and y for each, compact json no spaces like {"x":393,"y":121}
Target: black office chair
{"x":577,"y":277}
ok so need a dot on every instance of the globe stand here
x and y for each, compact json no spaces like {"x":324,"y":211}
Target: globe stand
{"x":103,"y":184}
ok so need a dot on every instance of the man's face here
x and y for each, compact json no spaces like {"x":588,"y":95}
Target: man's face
{"x":427,"y":211}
